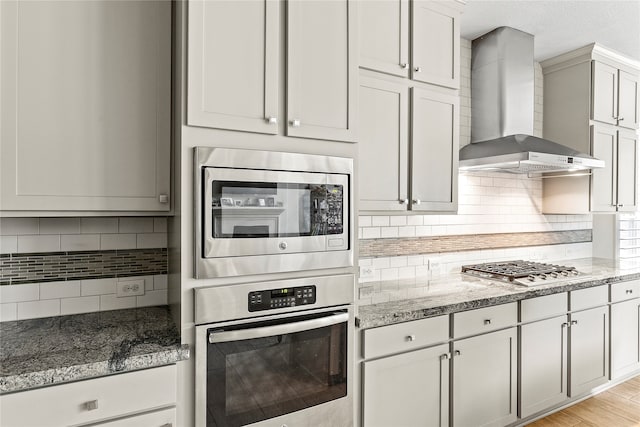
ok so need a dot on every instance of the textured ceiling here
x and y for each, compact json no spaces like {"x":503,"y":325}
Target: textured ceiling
{"x":560,"y":25}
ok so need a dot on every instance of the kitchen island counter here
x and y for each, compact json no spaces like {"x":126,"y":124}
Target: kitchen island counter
{"x":55,"y":350}
{"x":421,"y":297}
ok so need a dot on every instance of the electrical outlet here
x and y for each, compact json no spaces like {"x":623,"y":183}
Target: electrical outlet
{"x":129,"y":288}
{"x":367,"y":272}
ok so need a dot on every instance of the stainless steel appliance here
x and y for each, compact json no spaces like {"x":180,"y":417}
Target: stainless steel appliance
{"x":502,"y":100}
{"x":275,"y":353}
{"x":265,"y":212}
{"x":526,"y":273}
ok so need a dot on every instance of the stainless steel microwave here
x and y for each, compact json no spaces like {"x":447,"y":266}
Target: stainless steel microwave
{"x":263,"y":212}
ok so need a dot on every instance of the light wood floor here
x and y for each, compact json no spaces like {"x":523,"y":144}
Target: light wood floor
{"x":617,"y":407}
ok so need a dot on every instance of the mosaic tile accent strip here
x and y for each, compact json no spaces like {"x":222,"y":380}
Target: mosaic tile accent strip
{"x":468,"y":242}
{"x":62,"y":266}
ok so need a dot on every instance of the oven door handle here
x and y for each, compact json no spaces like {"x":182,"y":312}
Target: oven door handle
{"x":268,"y":331}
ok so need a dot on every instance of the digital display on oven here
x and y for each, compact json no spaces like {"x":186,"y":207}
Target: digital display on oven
{"x":281,"y":298}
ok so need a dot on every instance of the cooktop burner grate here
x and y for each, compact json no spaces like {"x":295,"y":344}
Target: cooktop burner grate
{"x":513,"y":270}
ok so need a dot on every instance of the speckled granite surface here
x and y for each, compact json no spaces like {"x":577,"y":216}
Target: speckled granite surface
{"x":460,"y":292}
{"x":53,"y":350}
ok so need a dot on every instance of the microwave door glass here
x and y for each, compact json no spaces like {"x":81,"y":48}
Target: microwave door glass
{"x":268,"y":209}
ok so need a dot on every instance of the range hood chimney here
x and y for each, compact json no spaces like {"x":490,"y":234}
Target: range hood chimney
{"x":502,"y":100}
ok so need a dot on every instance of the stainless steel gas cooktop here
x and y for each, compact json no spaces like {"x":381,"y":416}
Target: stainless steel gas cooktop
{"x":526,"y":273}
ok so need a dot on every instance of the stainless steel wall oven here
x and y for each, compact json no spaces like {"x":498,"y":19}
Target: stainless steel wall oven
{"x":275,"y":353}
{"x":265,"y":212}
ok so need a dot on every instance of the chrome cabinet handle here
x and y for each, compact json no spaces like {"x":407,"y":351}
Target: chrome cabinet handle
{"x":565,"y":325}
{"x":272,"y":120}
{"x":457,"y":353}
{"x":628,"y":291}
{"x":410,"y":338}
{"x":620,"y":119}
{"x":295,"y":123}
{"x":404,"y":65}
{"x":445,"y":356}
{"x":487,"y":321}
{"x":163,"y":198}
{"x":417,"y":69}
{"x":404,"y":201}
{"x":416,"y":201}
{"x":574,"y":322}
{"x":91,"y":405}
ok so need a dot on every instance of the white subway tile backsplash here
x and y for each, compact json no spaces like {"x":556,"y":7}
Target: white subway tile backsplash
{"x":80,"y":242}
{"x":98,"y":225}
{"x":136,"y":225}
{"x":118,"y":241}
{"x":8,"y":312}
{"x":37,"y":309}
{"x":8,"y":244}
{"x":18,"y":226}
{"x":371,"y":232}
{"x":59,"y":225}
{"x":407,"y":231}
{"x":398,"y":220}
{"x":387,"y":232}
{"x":98,"y":287}
{"x":415,"y":220}
{"x":111,"y":302}
{"x":380,"y":221}
{"x":152,"y":298}
{"x":28,"y":244}
{"x":160,"y":281}
{"x":364,"y":221}
{"x":53,"y":290}
{"x":160,"y":225}
{"x":19,"y":293}
{"x":79,"y":305}
{"x":151,"y":240}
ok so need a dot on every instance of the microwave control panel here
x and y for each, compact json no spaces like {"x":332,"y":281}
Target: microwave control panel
{"x":280,"y":298}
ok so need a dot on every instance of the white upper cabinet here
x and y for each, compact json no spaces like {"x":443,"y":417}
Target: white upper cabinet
{"x":233,"y":65}
{"x":615,"y":96}
{"x":322,"y":71}
{"x":591,"y":104}
{"x":384,"y":36}
{"x":435,"y":43}
{"x":427,"y":51}
{"x":85,"y":106}
{"x":234,"y":70}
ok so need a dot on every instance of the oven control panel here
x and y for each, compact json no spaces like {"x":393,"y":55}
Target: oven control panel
{"x":280,"y":298}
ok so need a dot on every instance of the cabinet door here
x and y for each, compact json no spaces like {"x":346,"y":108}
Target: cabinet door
{"x":627,"y":162}
{"x":384,"y":145}
{"x":322,"y":69}
{"x":435,"y":43}
{"x":384,"y":36}
{"x":603,"y":182}
{"x":407,"y":390}
{"x":543,"y":365}
{"x":233,"y":61}
{"x":588,"y":350}
{"x":434,"y":151}
{"x":604,"y":106}
{"x":628,"y":100}
{"x":485,"y":379}
{"x":86,"y":121}
{"x":625,"y":341}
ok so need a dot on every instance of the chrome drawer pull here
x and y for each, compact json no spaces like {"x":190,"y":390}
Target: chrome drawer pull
{"x":487,"y":321}
{"x":91,"y":405}
{"x":410,"y":338}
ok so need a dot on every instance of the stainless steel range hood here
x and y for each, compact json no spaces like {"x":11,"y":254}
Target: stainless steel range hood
{"x":502,"y":100}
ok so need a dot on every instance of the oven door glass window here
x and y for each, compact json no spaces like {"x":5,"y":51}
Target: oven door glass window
{"x":242,"y":209}
{"x":262,"y":377}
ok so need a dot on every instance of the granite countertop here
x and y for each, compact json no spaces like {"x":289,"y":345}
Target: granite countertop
{"x":459,"y":292}
{"x":54,"y":350}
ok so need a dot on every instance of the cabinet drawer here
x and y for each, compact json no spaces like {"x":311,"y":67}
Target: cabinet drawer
{"x":625,"y":290}
{"x":163,"y":418}
{"x":484,"y":319}
{"x":114,"y":396}
{"x":544,"y":307}
{"x":588,"y":298}
{"x":404,"y":336}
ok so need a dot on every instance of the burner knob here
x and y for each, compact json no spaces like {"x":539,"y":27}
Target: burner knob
{"x":532,"y":278}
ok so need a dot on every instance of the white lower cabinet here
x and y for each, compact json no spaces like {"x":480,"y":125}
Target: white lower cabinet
{"x":543,"y":364}
{"x":485,"y":379}
{"x":141,"y":398}
{"x":588,"y":350}
{"x":625,"y":328}
{"x":409,"y":389}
